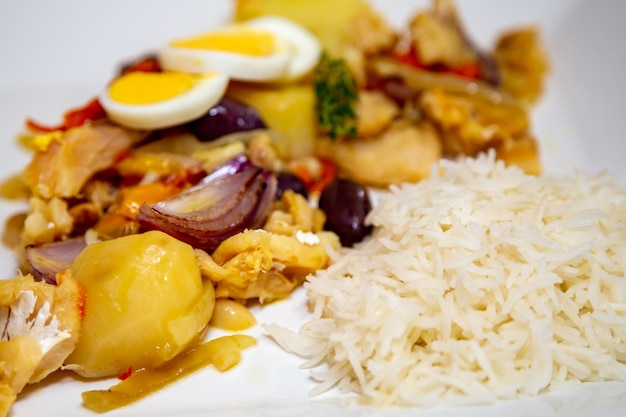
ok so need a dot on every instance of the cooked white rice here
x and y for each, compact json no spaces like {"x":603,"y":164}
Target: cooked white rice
{"x":480,"y":284}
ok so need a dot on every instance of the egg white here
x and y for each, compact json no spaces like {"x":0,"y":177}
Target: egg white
{"x":305,"y":48}
{"x":183,"y":108}
{"x":296,"y":52}
{"x":236,"y":66}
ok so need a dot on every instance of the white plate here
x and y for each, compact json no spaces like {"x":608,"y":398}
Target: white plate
{"x":55,"y":55}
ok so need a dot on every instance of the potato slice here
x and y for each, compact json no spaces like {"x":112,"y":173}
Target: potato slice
{"x":288,"y":109}
{"x":332,"y":29}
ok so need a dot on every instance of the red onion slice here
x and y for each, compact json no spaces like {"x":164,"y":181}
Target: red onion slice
{"x":236,"y":164}
{"x":211,"y":212}
{"x":48,"y":259}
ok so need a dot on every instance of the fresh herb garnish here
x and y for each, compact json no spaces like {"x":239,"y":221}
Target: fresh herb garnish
{"x":336,"y":96}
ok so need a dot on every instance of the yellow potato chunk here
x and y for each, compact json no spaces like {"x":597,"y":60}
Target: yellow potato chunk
{"x":329,"y":20}
{"x":145,"y":303}
{"x":288,"y":109}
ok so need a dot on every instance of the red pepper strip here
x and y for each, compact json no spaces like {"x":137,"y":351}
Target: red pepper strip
{"x":329,"y":173}
{"x":469,"y":69}
{"x":92,"y":110}
{"x":73,"y":118}
{"x":409,"y":58}
{"x":126,"y":374}
{"x":122,"y":155}
{"x":147,"y":64}
{"x":317,"y":184}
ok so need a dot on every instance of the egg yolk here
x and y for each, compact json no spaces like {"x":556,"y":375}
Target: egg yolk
{"x":243,"y":41}
{"x":141,"y":88}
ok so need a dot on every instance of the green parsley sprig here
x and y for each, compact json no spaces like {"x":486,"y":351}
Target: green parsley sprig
{"x":336,"y":94}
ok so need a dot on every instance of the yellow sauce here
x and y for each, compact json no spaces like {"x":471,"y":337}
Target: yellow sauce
{"x":222,"y":353}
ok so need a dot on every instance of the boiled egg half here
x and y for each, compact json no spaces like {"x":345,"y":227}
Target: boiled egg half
{"x":155,"y":100}
{"x":268,"y":48}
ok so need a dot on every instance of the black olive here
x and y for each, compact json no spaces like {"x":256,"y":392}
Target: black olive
{"x":288,"y":181}
{"x":227,"y":116}
{"x":346,"y":205}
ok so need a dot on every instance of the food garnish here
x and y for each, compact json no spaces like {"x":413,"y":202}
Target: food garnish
{"x":337,"y":94}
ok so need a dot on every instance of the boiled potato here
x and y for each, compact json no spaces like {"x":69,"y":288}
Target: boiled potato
{"x":145,"y":302}
{"x":288,"y":109}
{"x":329,"y":20}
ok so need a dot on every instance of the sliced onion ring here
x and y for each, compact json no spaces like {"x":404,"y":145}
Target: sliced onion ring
{"x":237,"y":164}
{"x":211,"y":212}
